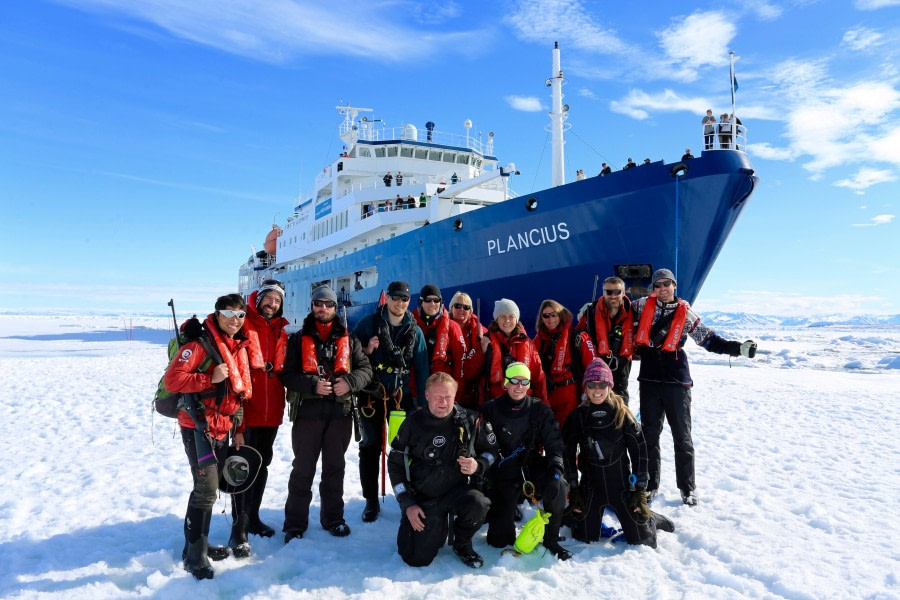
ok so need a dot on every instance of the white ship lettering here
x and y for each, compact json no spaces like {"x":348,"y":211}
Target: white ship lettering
{"x":526,"y":239}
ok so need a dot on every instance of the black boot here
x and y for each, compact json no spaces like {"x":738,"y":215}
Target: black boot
{"x":238,"y":542}
{"x":370,"y":512}
{"x":196,"y":561}
{"x":255,"y":493}
{"x":551,"y":542}
{"x":663,"y":523}
{"x":215,"y":553}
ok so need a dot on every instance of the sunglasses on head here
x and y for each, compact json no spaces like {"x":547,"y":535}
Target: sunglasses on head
{"x":431,"y":300}
{"x":398,"y":298}
{"x":593,"y":385}
{"x":227,"y":313}
{"x":458,"y":306}
{"x":519,"y":381}
{"x":660,"y":284}
{"x":550,"y":315}
{"x":324,"y":303}
{"x":612,"y":292}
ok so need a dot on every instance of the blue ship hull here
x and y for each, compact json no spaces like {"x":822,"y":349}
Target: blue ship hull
{"x":557,"y":242}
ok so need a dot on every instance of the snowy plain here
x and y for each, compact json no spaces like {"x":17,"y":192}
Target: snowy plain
{"x":798,"y":471}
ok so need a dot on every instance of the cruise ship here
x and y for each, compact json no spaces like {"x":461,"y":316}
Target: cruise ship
{"x":427,"y":207}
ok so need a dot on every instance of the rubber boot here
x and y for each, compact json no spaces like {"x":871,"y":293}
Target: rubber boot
{"x":370,"y":512}
{"x":196,"y":561}
{"x":215,"y":553}
{"x":255,"y":493}
{"x":240,"y":546}
{"x":551,"y":541}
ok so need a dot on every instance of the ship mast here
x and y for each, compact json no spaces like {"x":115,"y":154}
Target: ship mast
{"x":558,"y":115}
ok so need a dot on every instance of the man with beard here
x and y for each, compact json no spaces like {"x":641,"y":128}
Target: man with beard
{"x":609,"y":323}
{"x":325,"y":366}
{"x":399,"y":357}
{"x":662,"y":324}
{"x":264,"y":325}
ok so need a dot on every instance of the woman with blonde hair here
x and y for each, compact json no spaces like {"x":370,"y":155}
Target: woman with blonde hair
{"x":604,"y":442}
{"x":564,"y":356}
{"x":469,"y":376}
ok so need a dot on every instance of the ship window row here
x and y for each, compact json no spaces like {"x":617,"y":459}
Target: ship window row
{"x":459,"y":158}
{"x":284,"y":241}
{"x":331,"y":225}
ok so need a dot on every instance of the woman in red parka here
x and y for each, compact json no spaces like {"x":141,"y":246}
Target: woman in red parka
{"x":221,"y":388}
{"x":507,"y":343}
{"x":562,"y":359}
{"x":472,"y":372}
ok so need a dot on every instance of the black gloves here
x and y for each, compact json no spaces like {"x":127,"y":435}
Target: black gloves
{"x":192,"y":329}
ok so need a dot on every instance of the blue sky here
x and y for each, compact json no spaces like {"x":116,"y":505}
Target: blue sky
{"x":145,"y":144}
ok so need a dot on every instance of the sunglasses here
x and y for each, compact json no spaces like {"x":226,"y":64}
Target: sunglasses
{"x":612,"y":292}
{"x":324,"y":303}
{"x":660,"y":284}
{"x":462,"y":306}
{"x":240,"y":314}
{"x":397,"y":298}
{"x":550,"y":315}
{"x":519,"y":381}
{"x":431,"y":300}
{"x":593,"y":385}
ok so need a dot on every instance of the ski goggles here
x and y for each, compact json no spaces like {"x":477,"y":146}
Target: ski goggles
{"x":228,"y":314}
{"x":519,"y":381}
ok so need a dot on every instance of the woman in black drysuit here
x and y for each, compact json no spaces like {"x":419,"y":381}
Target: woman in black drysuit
{"x":600,"y":436}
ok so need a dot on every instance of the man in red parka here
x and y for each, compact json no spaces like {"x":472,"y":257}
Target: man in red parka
{"x":264,"y":413}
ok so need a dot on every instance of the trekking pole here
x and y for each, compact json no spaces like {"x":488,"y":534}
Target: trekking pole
{"x":174,"y":321}
{"x":594,"y":293}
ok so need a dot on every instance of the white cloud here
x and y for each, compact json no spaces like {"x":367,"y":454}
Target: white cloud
{"x":698,"y":40}
{"x":638,"y":104}
{"x":281,"y":30}
{"x":524,"y":103}
{"x":587,"y":93}
{"x":862,"y":38}
{"x":865,"y":178}
{"x":567,"y":21}
{"x":766,"y":151}
{"x":875,"y":4}
{"x":764,"y":10}
{"x":876,"y":220}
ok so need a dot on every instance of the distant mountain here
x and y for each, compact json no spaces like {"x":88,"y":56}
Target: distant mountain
{"x":729,"y":320}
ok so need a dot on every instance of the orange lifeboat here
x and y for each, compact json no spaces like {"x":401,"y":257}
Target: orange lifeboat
{"x":272,"y":239}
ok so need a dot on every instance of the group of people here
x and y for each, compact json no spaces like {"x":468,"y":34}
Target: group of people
{"x":471,"y":420}
{"x":728,"y":128}
{"x":388,"y":178}
{"x":399,"y":203}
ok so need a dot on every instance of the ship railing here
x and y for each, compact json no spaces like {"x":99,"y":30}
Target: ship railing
{"x":380,"y":134}
{"x":725,"y":136}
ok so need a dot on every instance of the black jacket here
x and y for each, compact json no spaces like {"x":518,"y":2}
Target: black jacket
{"x":522,"y":429}
{"x":423,"y":460}
{"x":312,"y":405}
{"x":593,"y":442}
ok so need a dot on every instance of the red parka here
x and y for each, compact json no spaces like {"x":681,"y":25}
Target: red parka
{"x":445,"y":343}
{"x":520,"y":347}
{"x":182,"y":376}
{"x":266,"y":409}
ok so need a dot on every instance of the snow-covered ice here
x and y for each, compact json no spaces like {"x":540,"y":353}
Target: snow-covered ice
{"x":797,"y":470}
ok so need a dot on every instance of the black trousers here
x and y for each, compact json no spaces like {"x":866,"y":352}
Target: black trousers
{"x":671,"y":401}
{"x":310,"y":438}
{"x":620,"y":378}
{"x":505,"y":494}
{"x":607,"y":486}
{"x":263,"y":440}
{"x":418,"y":548}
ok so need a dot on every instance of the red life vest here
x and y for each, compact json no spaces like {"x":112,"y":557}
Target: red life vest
{"x":560,"y":369}
{"x":602,"y":322}
{"x":310,"y":356}
{"x":670,"y":344}
{"x":441,"y":327}
{"x":519,"y":349}
{"x":254,"y":350}
{"x":238,"y":362}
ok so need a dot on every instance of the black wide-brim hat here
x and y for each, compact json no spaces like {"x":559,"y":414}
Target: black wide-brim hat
{"x":239,"y":469}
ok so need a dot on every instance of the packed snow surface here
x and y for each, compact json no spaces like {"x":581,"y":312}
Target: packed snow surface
{"x":797,"y":470}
